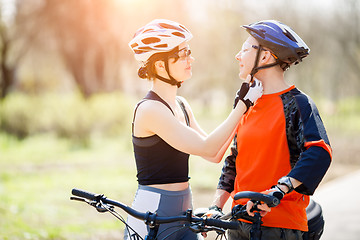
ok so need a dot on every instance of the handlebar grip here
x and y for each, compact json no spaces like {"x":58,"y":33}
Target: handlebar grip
{"x":222,"y":223}
{"x":271,"y":201}
{"x":83,"y":194}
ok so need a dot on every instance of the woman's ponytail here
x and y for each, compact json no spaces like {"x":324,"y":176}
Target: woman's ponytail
{"x":143,"y":73}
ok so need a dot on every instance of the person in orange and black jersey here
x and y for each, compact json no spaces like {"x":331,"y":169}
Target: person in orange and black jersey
{"x":281,"y":146}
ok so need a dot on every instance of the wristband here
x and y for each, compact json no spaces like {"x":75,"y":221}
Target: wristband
{"x":214,"y":207}
{"x":277,"y":187}
{"x":287,"y":182}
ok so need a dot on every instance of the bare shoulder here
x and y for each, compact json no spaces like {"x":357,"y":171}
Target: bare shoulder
{"x":151,"y":117}
{"x":152,"y":110}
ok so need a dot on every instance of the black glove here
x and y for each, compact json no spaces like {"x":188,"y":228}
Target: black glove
{"x":249,"y":94}
{"x":276,"y":192}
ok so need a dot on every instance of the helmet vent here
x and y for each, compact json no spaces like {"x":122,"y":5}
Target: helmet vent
{"x":139,"y":51}
{"x":289,"y":35}
{"x":259,"y":32}
{"x":161,"y":46}
{"x":148,"y":30}
{"x":145,"y":48}
{"x":168,"y":26}
{"x":183,"y":28}
{"x":151,"y":40}
{"x":178,"y":34}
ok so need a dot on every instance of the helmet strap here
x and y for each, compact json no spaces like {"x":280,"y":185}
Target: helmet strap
{"x":171,"y":81}
{"x":256,"y":68}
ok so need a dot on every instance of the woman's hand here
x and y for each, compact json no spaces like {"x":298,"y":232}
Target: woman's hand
{"x":264,"y":208}
{"x":249,"y":92}
{"x":275,"y":191}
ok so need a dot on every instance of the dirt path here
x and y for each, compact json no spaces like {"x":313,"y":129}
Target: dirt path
{"x":340,"y":203}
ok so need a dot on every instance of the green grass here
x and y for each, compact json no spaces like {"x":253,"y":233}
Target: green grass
{"x":37,"y":175}
{"x":36,"y":179}
{"x":342,"y":117}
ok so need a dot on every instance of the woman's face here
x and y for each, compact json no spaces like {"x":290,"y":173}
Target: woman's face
{"x":181,"y":69}
{"x":246,"y":57}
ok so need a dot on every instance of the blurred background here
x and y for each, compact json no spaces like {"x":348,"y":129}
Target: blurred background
{"x":68,"y":86}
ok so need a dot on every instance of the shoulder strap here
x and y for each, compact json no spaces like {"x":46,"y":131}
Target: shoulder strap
{"x":150,"y":96}
{"x":182,"y":105}
{"x":137,"y":105}
{"x":153,"y":96}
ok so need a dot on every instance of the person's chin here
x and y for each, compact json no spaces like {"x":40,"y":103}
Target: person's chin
{"x":188,"y":76}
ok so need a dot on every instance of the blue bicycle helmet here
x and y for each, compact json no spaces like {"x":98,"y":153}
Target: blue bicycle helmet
{"x":283,"y":42}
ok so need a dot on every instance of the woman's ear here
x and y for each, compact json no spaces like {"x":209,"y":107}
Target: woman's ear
{"x":160,"y":65}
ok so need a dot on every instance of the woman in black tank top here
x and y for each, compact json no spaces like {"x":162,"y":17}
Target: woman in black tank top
{"x":165,"y":131}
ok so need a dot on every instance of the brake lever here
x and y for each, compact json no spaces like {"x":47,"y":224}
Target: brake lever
{"x":94,"y":203}
{"x":198,"y":228}
{"x":78,"y":199}
{"x":216,"y":229}
{"x":102,"y":207}
{"x":255,"y":207}
{"x":239,"y":211}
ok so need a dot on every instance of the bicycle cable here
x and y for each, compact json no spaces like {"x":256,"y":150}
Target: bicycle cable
{"x":118,"y":216}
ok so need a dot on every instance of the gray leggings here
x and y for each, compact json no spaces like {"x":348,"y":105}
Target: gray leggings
{"x":268,"y":233}
{"x":165,"y":203}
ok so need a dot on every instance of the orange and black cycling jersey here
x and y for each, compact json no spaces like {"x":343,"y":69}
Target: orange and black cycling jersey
{"x":281,"y":135}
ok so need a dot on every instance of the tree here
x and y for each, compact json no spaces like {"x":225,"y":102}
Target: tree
{"x":7,"y":67}
{"x":7,"y":70}
{"x":85,"y":41}
{"x":17,"y":37}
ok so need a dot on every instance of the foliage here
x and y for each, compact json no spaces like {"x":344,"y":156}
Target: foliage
{"x":92,"y":51}
{"x":344,"y":117}
{"x":67,"y":116}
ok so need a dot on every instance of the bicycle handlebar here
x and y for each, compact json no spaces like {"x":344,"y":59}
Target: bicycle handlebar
{"x":105,"y":200}
{"x":84,"y":194}
{"x":152,"y":217}
{"x":271,"y":201}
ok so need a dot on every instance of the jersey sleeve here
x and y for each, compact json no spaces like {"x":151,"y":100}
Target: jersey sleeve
{"x":228,"y":172}
{"x":315,"y":151}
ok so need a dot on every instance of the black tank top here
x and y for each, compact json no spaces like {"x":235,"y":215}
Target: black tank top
{"x":156,"y":161}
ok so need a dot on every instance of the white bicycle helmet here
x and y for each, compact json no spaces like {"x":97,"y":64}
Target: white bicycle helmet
{"x":160,"y":35}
